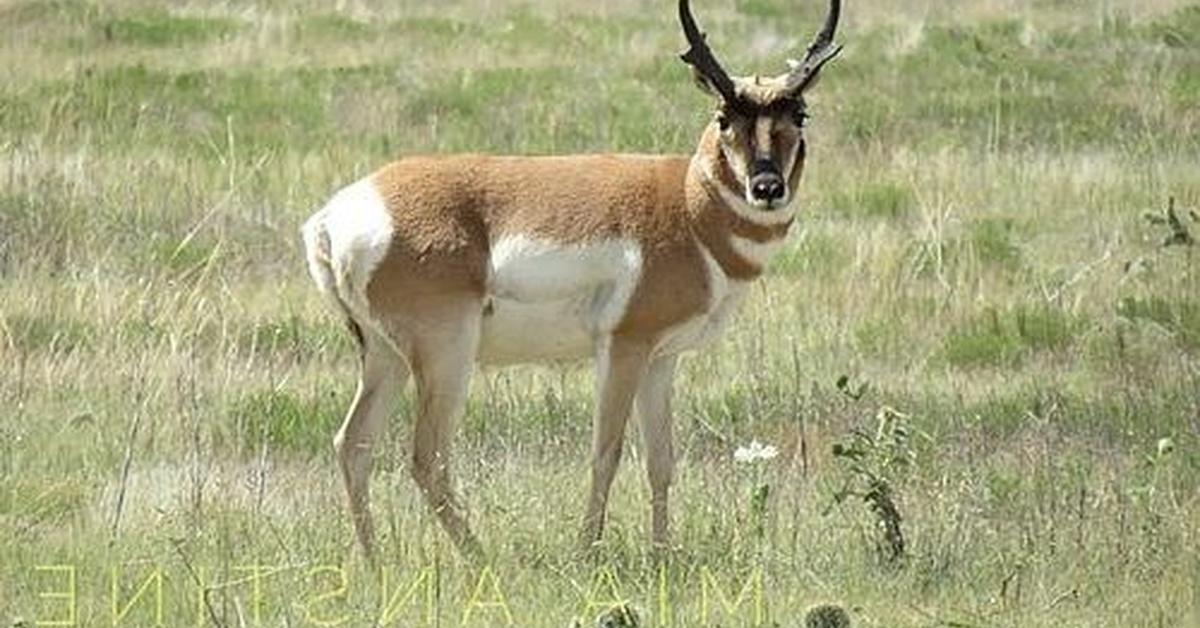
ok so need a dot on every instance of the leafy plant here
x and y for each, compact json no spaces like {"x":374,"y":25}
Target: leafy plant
{"x":872,"y":462}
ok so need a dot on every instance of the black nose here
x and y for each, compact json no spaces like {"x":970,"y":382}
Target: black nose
{"x":767,"y":187}
{"x":766,"y":184}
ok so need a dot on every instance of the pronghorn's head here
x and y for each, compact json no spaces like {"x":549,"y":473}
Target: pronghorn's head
{"x":759,"y":124}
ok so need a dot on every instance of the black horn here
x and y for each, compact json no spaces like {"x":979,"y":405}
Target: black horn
{"x":820,"y":51}
{"x":700,"y":57}
{"x":824,"y":39}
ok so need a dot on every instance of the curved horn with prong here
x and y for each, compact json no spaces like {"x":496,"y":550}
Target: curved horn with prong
{"x":700,"y":57}
{"x":820,"y":51}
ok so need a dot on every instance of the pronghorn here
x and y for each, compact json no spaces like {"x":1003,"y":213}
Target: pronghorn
{"x":440,"y":262}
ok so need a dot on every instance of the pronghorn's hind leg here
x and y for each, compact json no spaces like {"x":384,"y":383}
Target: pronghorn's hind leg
{"x":383,"y":373}
{"x":445,"y":339}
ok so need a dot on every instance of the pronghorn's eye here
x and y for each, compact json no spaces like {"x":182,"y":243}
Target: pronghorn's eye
{"x":800,"y":117}
{"x":723,"y":121}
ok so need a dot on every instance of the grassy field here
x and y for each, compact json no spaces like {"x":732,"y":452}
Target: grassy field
{"x":982,"y":256}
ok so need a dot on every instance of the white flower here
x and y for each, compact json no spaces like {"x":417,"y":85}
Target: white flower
{"x":755,"y":452}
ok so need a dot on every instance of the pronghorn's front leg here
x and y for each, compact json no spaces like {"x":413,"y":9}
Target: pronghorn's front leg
{"x":383,"y":374}
{"x":654,"y":409}
{"x":620,"y":367}
{"x":445,"y":340}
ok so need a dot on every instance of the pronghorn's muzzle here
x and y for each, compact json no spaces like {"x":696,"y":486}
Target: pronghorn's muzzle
{"x":766,"y":183}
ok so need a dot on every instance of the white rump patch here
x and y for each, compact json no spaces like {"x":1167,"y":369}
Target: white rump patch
{"x":346,"y":240}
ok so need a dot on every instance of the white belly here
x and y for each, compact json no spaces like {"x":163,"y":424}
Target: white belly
{"x":515,"y":332}
{"x":550,"y":302}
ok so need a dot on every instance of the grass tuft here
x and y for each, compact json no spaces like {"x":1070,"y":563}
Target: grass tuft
{"x":54,"y":334}
{"x":161,"y":29}
{"x":1181,"y":29}
{"x":1004,"y":338}
{"x":1178,"y":316}
{"x":888,"y":200}
{"x":285,"y":421}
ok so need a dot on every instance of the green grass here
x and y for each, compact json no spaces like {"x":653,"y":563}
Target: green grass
{"x":284,"y":421}
{"x":158,"y":28}
{"x":1178,"y":317}
{"x":972,"y":253}
{"x":996,"y":338}
{"x":46,"y":333}
{"x":885,"y":200}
